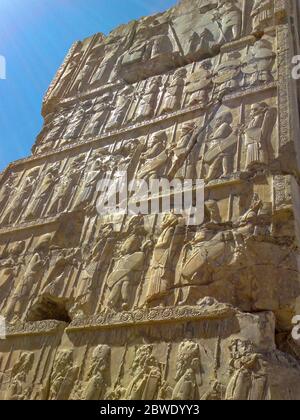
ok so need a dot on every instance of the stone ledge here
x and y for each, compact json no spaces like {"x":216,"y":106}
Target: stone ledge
{"x":153,"y":316}
{"x":34,"y":328}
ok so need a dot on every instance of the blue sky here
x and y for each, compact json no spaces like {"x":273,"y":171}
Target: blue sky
{"x":35,"y":35}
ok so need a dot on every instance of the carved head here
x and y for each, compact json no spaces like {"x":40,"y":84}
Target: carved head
{"x":101,"y":357}
{"x":159,"y":137}
{"x":169,"y":220}
{"x":188,"y":358}
{"x":202,"y":236}
{"x":213,"y":210}
{"x":258,"y":109}
{"x":239,"y":348}
{"x":222,"y":118}
{"x":142,"y":357}
{"x":63,"y":360}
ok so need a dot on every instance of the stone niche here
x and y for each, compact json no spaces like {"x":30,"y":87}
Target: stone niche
{"x":107,"y":306}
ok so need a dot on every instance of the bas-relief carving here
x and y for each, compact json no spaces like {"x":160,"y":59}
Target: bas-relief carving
{"x":19,"y":387}
{"x":65,"y":189}
{"x":43,"y":191}
{"x":161,"y":263}
{"x":120,"y":108}
{"x":261,"y":14}
{"x":191,"y":93}
{"x":127,"y":270}
{"x":6,"y":191}
{"x":21,"y":196}
{"x":63,"y":376}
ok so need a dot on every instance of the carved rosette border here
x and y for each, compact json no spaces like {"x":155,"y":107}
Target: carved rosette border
{"x":142,"y":317}
{"x":34,"y":328}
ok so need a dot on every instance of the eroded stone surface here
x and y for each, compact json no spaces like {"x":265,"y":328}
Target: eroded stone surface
{"x":146,"y":307}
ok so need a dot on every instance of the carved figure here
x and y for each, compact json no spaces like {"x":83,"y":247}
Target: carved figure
{"x":160,"y":268}
{"x":120,"y":108}
{"x":257,"y":133}
{"x":97,"y":382}
{"x":146,"y":374}
{"x":229,"y":19}
{"x":198,"y":85}
{"x":221,"y":147}
{"x":248,"y":381}
{"x":149,"y":100}
{"x":99,"y":113}
{"x":188,"y":372}
{"x":19,"y":388}
{"x":42,"y":194}
{"x":63,"y":377}
{"x":21,"y":197}
{"x":173,"y":96}
{"x":258,"y":68}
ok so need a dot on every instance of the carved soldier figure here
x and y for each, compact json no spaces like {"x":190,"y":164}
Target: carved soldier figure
{"x":55,"y":129}
{"x":226,"y":76}
{"x":104,"y":234}
{"x":42,"y":194}
{"x":64,"y":190}
{"x":221,"y":147}
{"x":188,"y":372}
{"x":84,"y":74}
{"x":106,"y":70}
{"x":98,"y":380}
{"x":181,"y":151}
{"x":7,"y":277}
{"x":173,"y":96}
{"x":126,"y":273}
{"x":90,"y":180}
{"x":6,"y":191}
{"x":63,"y":377}
{"x":146,"y":374}
{"x":21,"y":197}
{"x":75,"y":123}
{"x":161,"y":45}
{"x":120,"y":108}
{"x":149,"y":99}
{"x":25,"y":288}
{"x":229,"y":19}
{"x":155,"y":158}
{"x":19,"y":388}
{"x":249,"y":381}
{"x":262,"y":13}
{"x":257,"y":132}
{"x":198,"y":260}
{"x":245,"y":227}
{"x":9,"y":269}
{"x":259,"y":64}
{"x":160,"y":268}
{"x":99,"y":112}
{"x":199,"y":84}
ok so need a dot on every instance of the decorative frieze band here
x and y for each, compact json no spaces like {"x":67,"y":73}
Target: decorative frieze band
{"x":153,"y":316}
